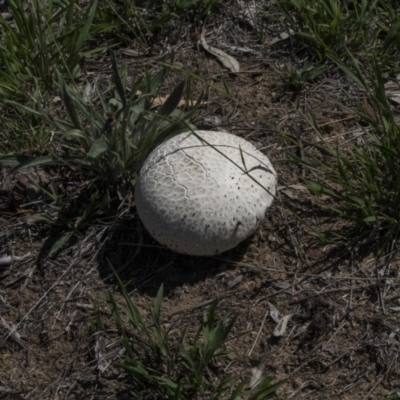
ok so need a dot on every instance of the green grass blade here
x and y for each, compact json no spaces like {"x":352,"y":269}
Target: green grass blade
{"x":157,"y":306}
{"x":99,"y":146}
{"x":173,"y":100}
{"x":70,"y":106}
{"x":84,"y":32}
{"x":117,"y":80}
{"x":60,"y":242}
{"x":21,"y":162}
{"x":156,"y":81}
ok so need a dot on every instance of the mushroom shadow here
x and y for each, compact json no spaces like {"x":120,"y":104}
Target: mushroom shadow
{"x":143,"y":264}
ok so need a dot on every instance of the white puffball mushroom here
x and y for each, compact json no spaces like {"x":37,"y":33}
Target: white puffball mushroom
{"x":195,"y":200}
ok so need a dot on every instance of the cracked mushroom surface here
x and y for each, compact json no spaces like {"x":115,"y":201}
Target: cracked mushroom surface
{"x":202,"y":194}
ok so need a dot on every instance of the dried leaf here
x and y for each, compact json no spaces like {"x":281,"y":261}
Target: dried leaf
{"x":11,"y":332}
{"x":392,"y":90}
{"x":290,"y":194}
{"x":282,"y":36}
{"x":274,"y":313}
{"x":225,"y":59}
{"x":256,"y":375}
{"x":86,"y":93}
{"x":160,"y":100}
{"x":296,"y":186}
{"x":301,"y":330}
{"x":282,"y":325}
{"x":102,"y":363}
{"x":211,"y":121}
{"x":235,"y":282}
{"x":5,"y":260}
{"x":133,"y":53}
{"x":250,"y":14}
{"x":243,"y":50}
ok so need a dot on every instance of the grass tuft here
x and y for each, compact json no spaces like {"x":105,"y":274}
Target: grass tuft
{"x":188,"y":367}
{"x":365,"y":28}
{"x":108,"y":148}
{"x":43,"y":39}
{"x":361,"y":184}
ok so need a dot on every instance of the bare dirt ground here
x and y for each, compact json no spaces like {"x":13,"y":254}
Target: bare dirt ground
{"x":342,"y":339}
